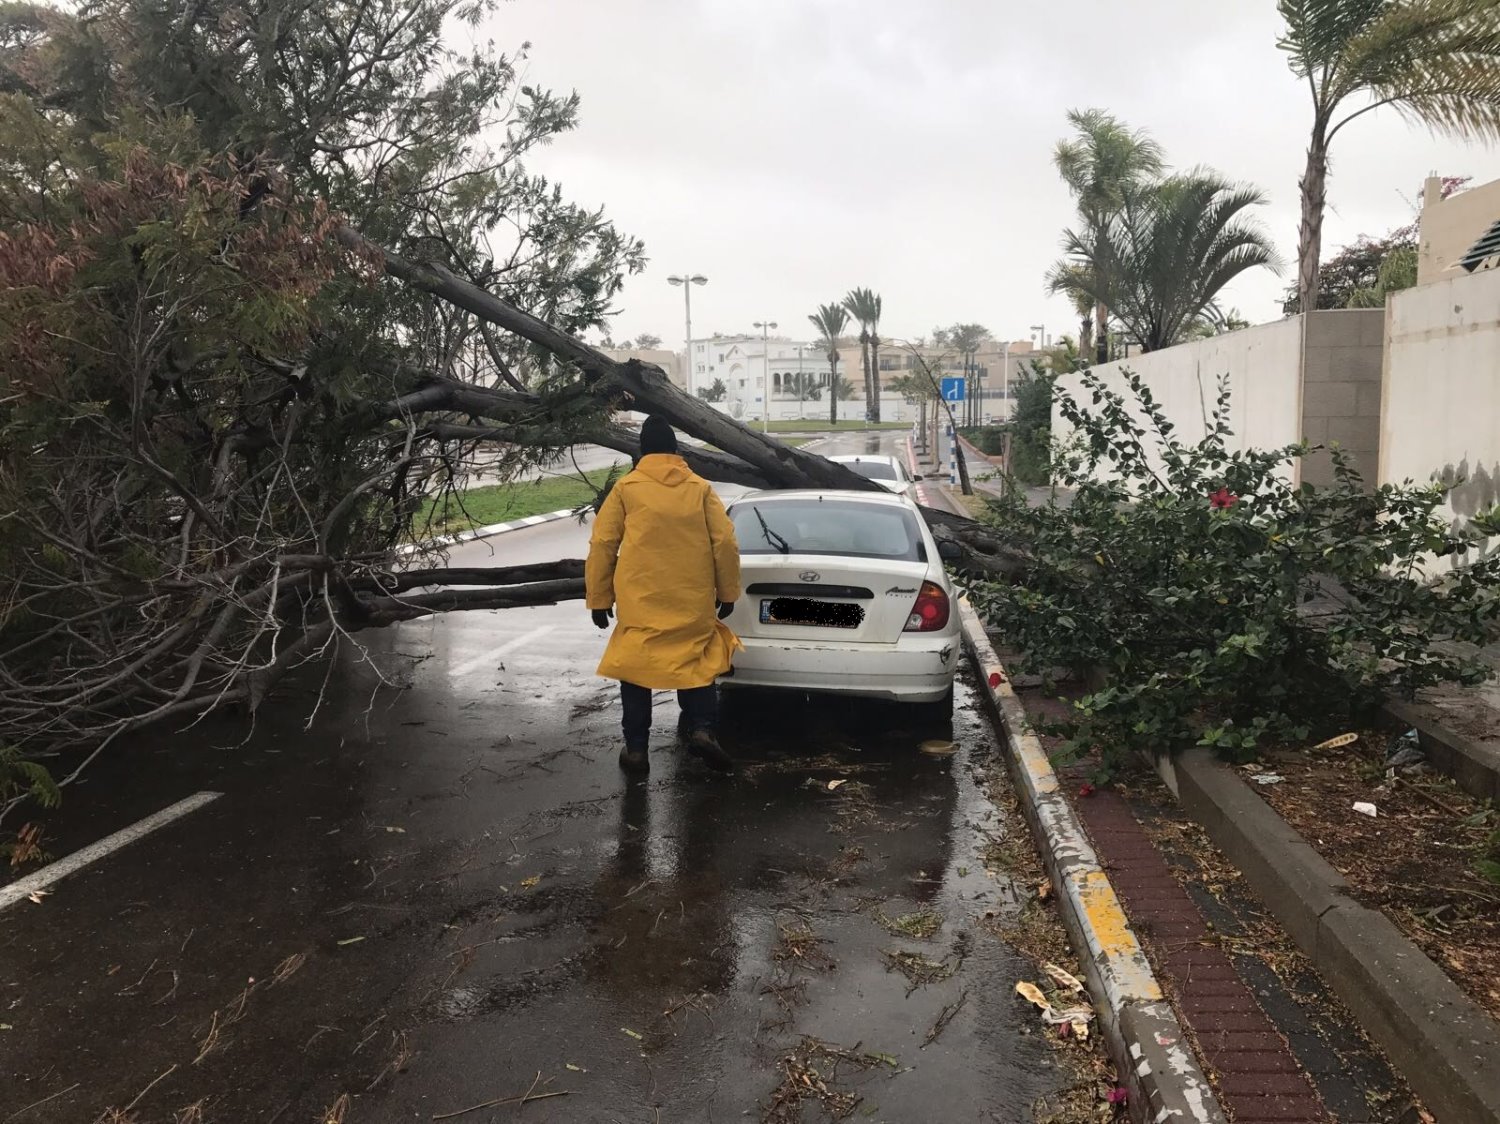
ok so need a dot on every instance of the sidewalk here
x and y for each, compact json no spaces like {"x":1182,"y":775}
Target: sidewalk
{"x":1275,"y":1043}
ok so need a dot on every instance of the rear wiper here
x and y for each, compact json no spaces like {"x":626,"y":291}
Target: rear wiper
{"x":771,"y":536}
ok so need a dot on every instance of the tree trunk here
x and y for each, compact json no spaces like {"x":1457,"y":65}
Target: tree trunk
{"x":864,"y":363}
{"x":1101,"y":333}
{"x":875,"y":378}
{"x":1314,"y":185}
{"x":833,"y":387}
{"x":1085,"y":337}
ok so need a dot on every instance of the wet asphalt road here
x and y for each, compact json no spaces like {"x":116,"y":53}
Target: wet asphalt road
{"x":427,"y":886}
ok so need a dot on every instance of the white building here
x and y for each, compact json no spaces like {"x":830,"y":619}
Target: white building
{"x":747,"y":364}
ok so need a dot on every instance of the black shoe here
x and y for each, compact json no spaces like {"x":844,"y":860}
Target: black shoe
{"x":704,"y":745}
{"x":634,"y":760}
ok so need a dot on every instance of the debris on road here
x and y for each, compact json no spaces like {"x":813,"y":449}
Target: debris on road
{"x":1365,"y":808}
{"x":945,"y":1016}
{"x":1405,"y":752}
{"x":919,"y":970}
{"x":812,"y":1072}
{"x":1064,"y":978}
{"x":1070,"y":1022}
{"x":919,"y":926}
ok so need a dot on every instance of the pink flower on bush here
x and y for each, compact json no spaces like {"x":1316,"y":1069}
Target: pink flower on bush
{"x":1223,"y":499}
{"x":1118,"y":1095}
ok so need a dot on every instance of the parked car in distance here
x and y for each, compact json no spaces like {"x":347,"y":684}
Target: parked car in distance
{"x":888,"y":472}
{"x":845,"y":594}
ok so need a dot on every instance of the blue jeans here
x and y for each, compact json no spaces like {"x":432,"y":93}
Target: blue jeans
{"x":700,"y":708}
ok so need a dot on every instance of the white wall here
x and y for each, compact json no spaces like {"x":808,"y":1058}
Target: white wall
{"x":893,"y":408}
{"x":1264,"y":365}
{"x":1440,"y":416}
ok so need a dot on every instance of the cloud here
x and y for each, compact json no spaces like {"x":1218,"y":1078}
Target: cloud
{"x":793,"y":149}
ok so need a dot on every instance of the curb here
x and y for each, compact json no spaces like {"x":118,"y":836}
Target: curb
{"x":924,"y":497}
{"x":1140,"y":1027}
{"x":1441,"y":1040}
{"x":487,"y":532}
{"x":1474,"y":767}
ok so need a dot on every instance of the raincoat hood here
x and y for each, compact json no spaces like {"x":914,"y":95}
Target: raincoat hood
{"x":665,"y":468}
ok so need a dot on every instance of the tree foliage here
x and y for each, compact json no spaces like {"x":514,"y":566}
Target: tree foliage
{"x":1364,"y":272}
{"x":715,"y":392}
{"x":1220,"y":604}
{"x":1030,"y":425}
{"x":214,"y":422}
{"x":1161,"y":261}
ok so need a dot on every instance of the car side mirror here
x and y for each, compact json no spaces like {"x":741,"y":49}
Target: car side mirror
{"x":949,"y":551}
{"x":919,"y":476}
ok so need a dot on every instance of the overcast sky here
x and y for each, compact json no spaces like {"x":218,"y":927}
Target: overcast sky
{"x":793,"y":149}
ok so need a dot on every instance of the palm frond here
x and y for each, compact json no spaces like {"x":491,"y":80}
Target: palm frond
{"x":1161,"y":262}
{"x":830,"y":320}
{"x":1105,"y":159}
{"x":1318,"y":31}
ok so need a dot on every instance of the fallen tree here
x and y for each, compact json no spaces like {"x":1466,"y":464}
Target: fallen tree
{"x":243,"y":352}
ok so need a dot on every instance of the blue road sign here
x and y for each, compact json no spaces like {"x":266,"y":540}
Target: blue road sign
{"x":953,"y":389}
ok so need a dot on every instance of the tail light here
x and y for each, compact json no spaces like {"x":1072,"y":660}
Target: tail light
{"x":930,"y":613}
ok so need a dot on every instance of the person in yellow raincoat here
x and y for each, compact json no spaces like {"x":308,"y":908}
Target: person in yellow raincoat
{"x":664,"y":556}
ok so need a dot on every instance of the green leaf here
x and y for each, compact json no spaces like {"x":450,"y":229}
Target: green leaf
{"x":1488,"y":868}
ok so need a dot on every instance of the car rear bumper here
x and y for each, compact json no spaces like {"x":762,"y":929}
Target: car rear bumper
{"x":919,"y":670}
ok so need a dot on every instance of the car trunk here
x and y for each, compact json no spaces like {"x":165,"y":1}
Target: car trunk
{"x":811,"y":598}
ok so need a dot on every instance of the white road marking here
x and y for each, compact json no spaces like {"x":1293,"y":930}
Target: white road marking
{"x":509,"y":646}
{"x":23,"y":888}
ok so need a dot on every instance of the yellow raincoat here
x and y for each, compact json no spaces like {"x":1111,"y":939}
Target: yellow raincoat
{"x":662,"y":552}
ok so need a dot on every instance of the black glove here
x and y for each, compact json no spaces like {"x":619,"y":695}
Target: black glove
{"x":725,"y":608}
{"x":601,"y":618}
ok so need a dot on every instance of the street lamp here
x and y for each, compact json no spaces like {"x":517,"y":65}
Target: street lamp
{"x":687,"y":281}
{"x":765,"y":327}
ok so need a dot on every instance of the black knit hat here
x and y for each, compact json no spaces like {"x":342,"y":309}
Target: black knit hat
{"x":657,"y":437}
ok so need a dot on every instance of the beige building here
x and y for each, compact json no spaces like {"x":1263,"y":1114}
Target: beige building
{"x":668,"y":361}
{"x":898,"y":360}
{"x":1451,"y":228}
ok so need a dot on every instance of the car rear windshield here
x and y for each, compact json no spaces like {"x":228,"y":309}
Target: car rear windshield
{"x":839,"y":527}
{"x":873,"y":470}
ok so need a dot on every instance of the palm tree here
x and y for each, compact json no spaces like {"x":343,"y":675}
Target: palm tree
{"x":855,"y":305}
{"x":1163,"y":260}
{"x":1067,"y":278}
{"x":1436,"y":61}
{"x":831,"y":320}
{"x":1103,"y":166}
{"x":864,"y":306}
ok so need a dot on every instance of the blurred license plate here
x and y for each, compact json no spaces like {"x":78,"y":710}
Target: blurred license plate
{"x":802,"y":610}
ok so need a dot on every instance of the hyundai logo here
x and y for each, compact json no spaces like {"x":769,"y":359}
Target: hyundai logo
{"x":810,"y":576}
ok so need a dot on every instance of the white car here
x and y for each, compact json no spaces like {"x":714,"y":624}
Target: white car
{"x":888,"y":472}
{"x":845,"y":594}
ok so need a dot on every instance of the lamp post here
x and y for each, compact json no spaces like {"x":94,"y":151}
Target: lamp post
{"x":765,"y":327}
{"x":1005,"y":378}
{"x":687,"y":281}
